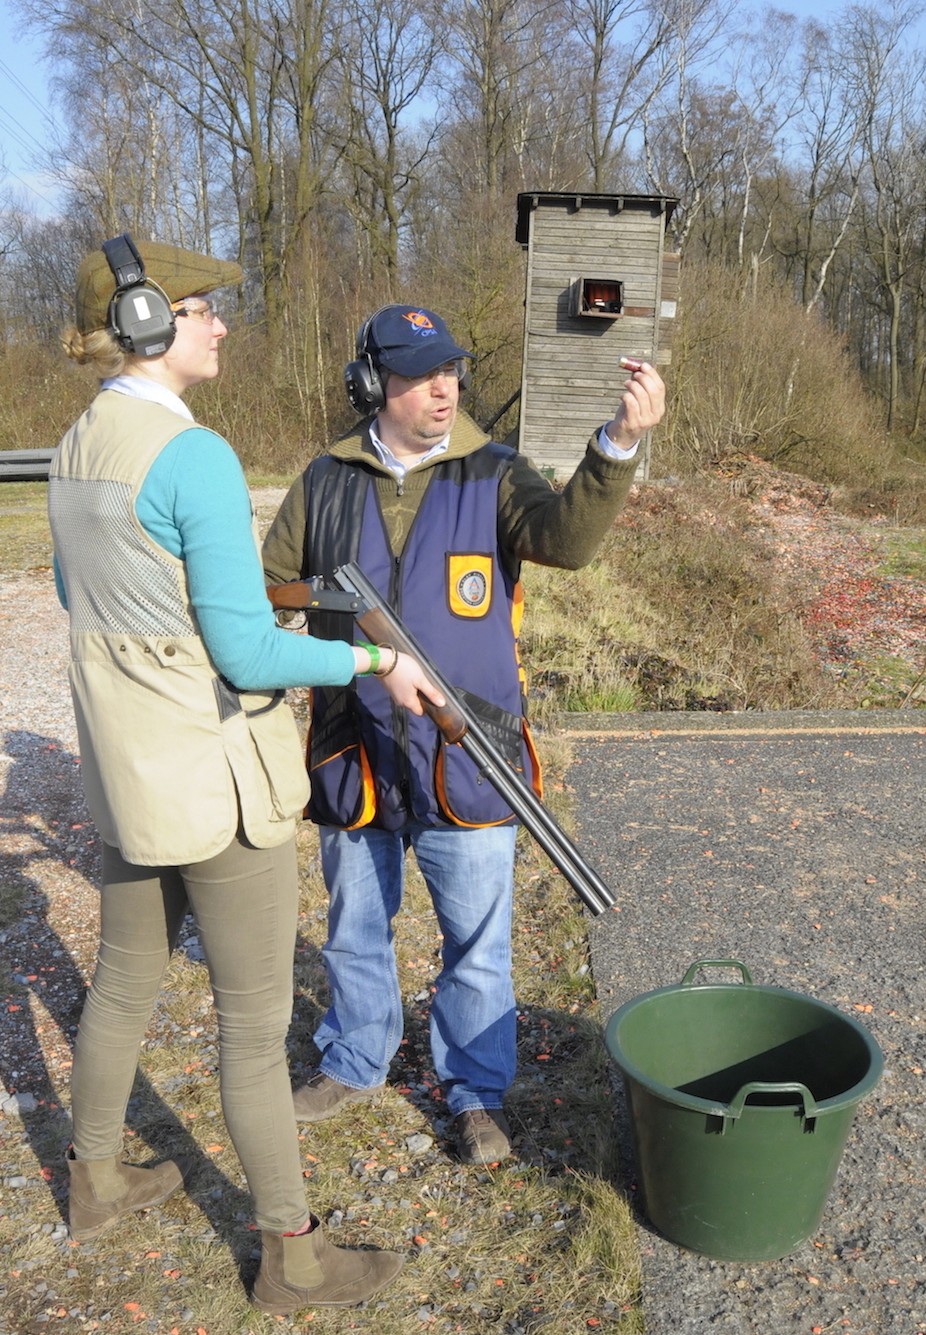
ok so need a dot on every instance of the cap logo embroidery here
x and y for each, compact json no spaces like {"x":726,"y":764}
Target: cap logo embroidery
{"x":472,"y":588}
{"x":419,"y":322}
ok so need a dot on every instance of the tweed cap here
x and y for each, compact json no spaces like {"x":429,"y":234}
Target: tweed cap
{"x":181,"y":273}
{"x":411,"y":341}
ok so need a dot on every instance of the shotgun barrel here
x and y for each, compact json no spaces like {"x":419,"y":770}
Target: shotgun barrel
{"x":459,"y":724}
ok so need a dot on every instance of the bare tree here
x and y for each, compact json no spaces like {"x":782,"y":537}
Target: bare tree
{"x":689,"y":129}
{"x":504,"y":107}
{"x":763,"y":75}
{"x":617,"y":74}
{"x":892,"y":217}
{"x":827,"y":146}
{"x":246,"y":74}
{"x":385,"y":60}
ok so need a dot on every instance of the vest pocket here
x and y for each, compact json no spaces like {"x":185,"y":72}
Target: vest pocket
{"x":469,"y":583}
{"x":274,"y":738}
{"x":464,"y":795}
{"x":343,"y":791}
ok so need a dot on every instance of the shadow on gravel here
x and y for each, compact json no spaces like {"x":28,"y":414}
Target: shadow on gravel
{"x":556,"y":1107}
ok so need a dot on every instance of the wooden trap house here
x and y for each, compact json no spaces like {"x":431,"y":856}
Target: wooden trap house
{"x":600,"y":285}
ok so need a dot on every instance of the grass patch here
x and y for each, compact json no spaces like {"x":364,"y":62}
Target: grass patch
{"x":683,"y":608}
{"x":25,"y":539}
{"x":276,"y":480}
{"x":904,"y":555}
{"x":886,"y":682}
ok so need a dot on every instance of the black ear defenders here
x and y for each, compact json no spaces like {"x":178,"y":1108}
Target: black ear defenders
{"x":366,"y":388}
{"x":140,"y":316}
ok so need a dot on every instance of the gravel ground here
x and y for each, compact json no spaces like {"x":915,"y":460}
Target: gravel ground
{"x":795,"y":843}
{"x":48,"y":844}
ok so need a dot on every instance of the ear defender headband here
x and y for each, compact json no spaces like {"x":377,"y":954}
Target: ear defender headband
{"x":366,"y":388}
{"x":139,"y":315}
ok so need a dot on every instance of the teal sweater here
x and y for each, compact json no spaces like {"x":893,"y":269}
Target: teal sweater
{"x":195,"y":503}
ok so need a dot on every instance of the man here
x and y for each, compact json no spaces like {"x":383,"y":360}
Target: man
{"x":439,"y":518}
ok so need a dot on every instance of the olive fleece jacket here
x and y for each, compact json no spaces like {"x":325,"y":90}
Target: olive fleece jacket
{"x":535,"y":522}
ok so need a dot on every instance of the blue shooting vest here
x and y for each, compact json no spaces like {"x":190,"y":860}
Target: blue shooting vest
{"x":373,"y":764}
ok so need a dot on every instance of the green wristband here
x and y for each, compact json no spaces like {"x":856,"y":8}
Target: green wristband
{"x":373,"y":651}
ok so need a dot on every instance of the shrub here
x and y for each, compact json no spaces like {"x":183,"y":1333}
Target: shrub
{"x":753,"y":374}
{"x":684,"y":604}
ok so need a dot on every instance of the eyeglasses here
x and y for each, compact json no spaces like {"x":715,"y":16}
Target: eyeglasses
{"x":197,"y":307}
{"x":454,"y":370}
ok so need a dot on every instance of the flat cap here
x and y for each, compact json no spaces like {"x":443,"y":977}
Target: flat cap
{"x":181,"y":273}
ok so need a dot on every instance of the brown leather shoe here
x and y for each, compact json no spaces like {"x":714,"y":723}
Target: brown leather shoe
{"x":483,"y":1135}
{"x":321,"y":1097}
{"x":305,"y":1270}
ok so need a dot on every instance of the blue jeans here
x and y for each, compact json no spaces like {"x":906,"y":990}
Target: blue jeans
{"x":470,"y":876}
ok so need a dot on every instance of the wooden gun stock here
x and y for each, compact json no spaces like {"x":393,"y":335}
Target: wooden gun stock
{"x":301,"y":595}
{"x":295,"y":596}
{"x":304,"y":595}
{"x":383,"y":629}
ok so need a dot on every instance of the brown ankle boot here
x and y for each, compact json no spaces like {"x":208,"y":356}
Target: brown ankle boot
{"x":305,"y":1270}
{"x":103,"y":1190}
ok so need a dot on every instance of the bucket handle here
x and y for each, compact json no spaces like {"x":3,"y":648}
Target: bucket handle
{"x":736,"y":1105}
{"x":716,"y":964}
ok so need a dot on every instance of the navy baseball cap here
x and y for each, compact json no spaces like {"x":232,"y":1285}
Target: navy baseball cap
{"x":411,"y":341}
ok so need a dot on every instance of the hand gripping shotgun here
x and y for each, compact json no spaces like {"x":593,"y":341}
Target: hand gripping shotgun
{"x":456,"y":720}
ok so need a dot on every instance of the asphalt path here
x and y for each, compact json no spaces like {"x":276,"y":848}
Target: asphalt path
{"x":795,"y":843}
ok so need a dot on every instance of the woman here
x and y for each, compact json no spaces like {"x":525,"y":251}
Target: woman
{"x":191,"y":760}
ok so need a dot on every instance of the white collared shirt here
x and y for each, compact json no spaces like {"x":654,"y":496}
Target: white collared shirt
{"x":399,"y":469}
{"x":396,"y":467}
{"x":140,"y":387}
{"x":607,"y":446}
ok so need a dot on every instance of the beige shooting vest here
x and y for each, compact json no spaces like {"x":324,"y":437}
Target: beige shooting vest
{"x":169,"y":754}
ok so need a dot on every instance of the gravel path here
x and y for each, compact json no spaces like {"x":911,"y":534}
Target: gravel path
{"x":795,"y":843}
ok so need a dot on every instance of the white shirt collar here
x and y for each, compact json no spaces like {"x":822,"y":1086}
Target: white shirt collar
{"x":140,"y":387}
{"x":396,"y":467}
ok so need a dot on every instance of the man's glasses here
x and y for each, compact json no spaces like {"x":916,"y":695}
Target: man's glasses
{"x":196,"y":307}
{"x":454,"y":370}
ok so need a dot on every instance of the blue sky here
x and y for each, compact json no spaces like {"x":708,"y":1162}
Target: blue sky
{"x":25,"y":115}
{"x":25,"y":103}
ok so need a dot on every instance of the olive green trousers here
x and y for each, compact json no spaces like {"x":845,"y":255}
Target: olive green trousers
{"x":244,"y":902}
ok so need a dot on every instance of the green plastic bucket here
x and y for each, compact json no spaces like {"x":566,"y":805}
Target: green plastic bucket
{"x":741,"y":1099}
